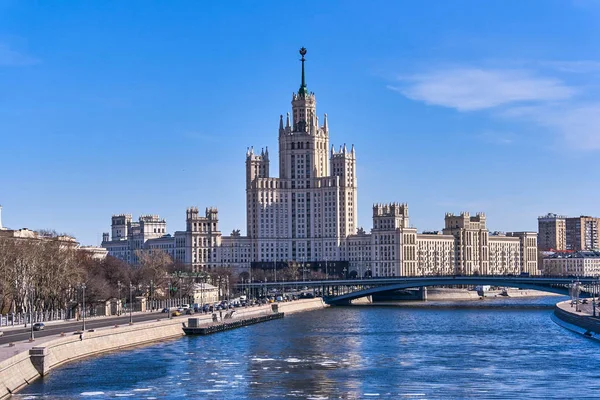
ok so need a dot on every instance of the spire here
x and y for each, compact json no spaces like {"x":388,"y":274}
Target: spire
{"x":281,"y":122}
{"x":287,"y":123}
{"x":303,"y":90}
{"x":325,"y":128}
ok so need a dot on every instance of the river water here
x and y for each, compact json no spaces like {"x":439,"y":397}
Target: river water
{"x":493,"y":349}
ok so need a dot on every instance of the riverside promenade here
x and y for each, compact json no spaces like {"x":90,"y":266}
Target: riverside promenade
{"x":24,"y":361}
{"x":578,"y":318}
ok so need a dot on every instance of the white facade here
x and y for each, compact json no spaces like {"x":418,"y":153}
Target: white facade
{"x":581,"y":263}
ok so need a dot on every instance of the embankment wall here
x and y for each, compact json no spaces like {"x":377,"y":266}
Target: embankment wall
{"x":25,"y":367}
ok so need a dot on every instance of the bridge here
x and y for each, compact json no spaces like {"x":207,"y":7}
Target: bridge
{"x":343,"y":291}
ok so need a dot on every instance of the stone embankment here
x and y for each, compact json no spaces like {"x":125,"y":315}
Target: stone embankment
{"x":442,"y":294}
{"x":579,"y":320}
{"x":26,"y":366}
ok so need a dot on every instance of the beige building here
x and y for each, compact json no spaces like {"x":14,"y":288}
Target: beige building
{"x":204,"y":293}
{"x":552,"y":232}
{"x":582,"y":233}
{"x":581,"y":263}
{"x":435,"y":254}
{"x":307,"y":212}
{"x":471,"y":235}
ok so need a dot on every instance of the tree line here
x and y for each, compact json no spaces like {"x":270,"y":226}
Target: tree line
{"x":48,"y":274}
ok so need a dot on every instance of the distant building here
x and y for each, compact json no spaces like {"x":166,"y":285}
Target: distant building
{"x":559,"y":232}
{"x":552,"y":232}
{"x":128,"y":236}
{"x":204,"y":293}
{"x":65,"y":241}
{"x":582,"y":233}
{"x":479,"y":252}
{"x":97,"y":253}
{"x":580,"y":263}
{"x":308,"y":215}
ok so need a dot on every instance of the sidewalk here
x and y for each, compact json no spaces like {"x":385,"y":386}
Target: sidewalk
{"x":65,"y":321}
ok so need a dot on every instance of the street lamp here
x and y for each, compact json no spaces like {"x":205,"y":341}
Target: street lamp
{"x":119,"y":302}
{"x":131,"y":303}
{"x":31,"y":335}
{"x":150,"y":296}
{"x":83,"y":299}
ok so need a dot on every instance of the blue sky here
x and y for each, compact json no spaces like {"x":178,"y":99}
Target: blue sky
{"x":147,"y":107}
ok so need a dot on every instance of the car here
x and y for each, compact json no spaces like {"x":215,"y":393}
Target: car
{"x":279,"y":298}
{"x":165,"y":310}
{"x":185,"y":306}
{"x":38,"y":326}
{"x":189,"y":311}
{"x":206,"y":308}
{"x":176,"y":313}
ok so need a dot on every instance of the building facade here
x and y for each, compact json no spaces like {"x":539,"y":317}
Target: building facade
{"x":580,"y":263}
{"x":582,"y":233}
{"x":559,"y":232}
{"x":308,"y":214}
{"x":310,"y":209}
{"x":552,"y":232}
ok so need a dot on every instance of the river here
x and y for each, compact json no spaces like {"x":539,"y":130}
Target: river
{"x":492,"y":349}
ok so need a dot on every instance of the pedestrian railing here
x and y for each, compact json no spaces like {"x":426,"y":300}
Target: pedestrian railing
{"x":16,"y":319}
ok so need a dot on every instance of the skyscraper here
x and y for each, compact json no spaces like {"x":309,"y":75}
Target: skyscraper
{"x":307,"y":212}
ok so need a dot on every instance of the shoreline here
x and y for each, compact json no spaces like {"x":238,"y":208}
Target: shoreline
{"x":581,"y":322}
{"x":26,"y":366}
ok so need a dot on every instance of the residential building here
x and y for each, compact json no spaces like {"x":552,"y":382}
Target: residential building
{"x":582,"y":233}
{"x":552,"y":232}
{"x":580,"y":263}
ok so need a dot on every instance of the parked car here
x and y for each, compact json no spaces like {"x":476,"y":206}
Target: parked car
{"x":279,"y":298}
{"x":38,"y":326}
{"x":189,"y":311}
{"x":165,"y":310}
{"x":176,"y":313}
{"x":185,"y":306}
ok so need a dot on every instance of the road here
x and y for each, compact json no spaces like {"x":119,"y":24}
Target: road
{"x":22,"y":334}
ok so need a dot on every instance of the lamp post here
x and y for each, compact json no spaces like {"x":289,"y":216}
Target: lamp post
{"x":119,"y":303}
{"x":131,"y":303}
{"x":83,"y":300}
{"x":150,"y":296}
{"x":31,"y":335}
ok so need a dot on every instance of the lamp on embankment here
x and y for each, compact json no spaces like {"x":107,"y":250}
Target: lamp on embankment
{"x":131,"y":303}
{"x":83,"y":307}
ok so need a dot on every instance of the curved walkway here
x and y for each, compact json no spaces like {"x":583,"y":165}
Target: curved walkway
{"x":578,"y":318}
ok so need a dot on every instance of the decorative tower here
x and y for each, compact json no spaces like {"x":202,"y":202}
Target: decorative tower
{"x":302,"y":141}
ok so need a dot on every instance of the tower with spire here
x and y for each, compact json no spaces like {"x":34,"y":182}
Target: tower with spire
{"x":310,"y":209}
